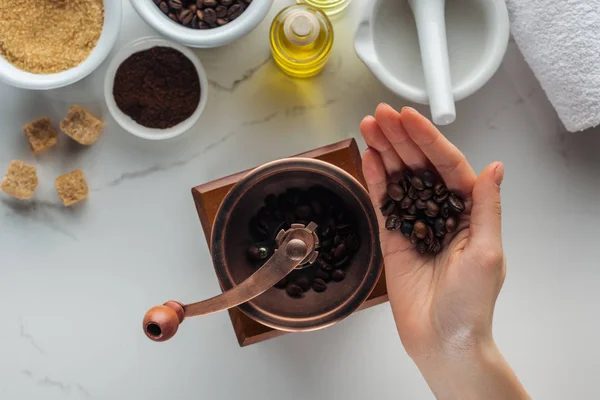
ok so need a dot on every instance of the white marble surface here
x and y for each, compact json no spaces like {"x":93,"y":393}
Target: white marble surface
{"x":75,"y":283}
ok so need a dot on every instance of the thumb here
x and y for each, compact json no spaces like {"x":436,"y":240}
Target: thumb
{"x":486,"y":215}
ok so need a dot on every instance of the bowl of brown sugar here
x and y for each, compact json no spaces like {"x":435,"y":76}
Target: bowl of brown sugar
{"x":46,"y":44}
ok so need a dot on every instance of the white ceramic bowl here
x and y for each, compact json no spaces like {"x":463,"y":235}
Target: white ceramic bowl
{"x":387,"y":42}
{"x":205,"y":38}
{"x":26,"y":80}
{"x":127,"y":122}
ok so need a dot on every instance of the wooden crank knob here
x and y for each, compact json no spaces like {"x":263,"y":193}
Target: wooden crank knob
{"x":161,"y":322}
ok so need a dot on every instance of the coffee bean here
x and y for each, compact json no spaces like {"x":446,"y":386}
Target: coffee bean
{"x":294,"y":290}
{"x":235,"y":11}
{"x":420,"y":204}
{"x":388,"y":208}
{"x":344,"y":229}
{"x":428,"y":178}
{"x":421,"y":247}
{"x":319,"y":285}
{"x":175,"y":4}
{"x":340,"y":252}
{"x":226,"y":3}
{"x":210,"y":3}
{"x":302,"y":211}
{"x":451,"y":224}
{"x":391,"y":223}
{"x":164,"y":7}
{"x":425,"y":194}
{"x":407,"y":228}
{"x":195,"y":21}
{"x":303,"y":282}
{"x":395,"y":191}
{"x":440,"y":189}
{"x":338,"y":275}
{"x":441,"y":198}
{"x":337,"y":240}
{"x":203,"y":25}
{"x":323,"y":275}
{"x":407,"y":175}
{"x":200,"y":15}
{"x":200,"y":3}
{"x":282,"y":283}
{"x":432,"y":209}
{"x":327,"y":258}
{"x":317,"y":207}
{"x":420,"y":229}
{"x":406,"y":203}
{"x":192,"y":7}
{"x":439,"y":225}
{"x":435,"y":246}
{"x":430,"y":236}
{"x":413,"y":193}
{"x":417,"y":183}
{"x":221,"y":11}
{"x":445,"y":210}
{"x":456,"y":204}
{"x":327,"y":244}
{"x":173,"y":17}
{"x":409,"y":217}
{"x":324,"y":265}
{"x":185,"y":17}
{"x":412,"y":210}
{"x":210,"y":16}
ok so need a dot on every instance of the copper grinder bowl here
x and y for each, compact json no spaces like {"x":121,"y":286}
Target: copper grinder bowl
{"x":231,"y":238}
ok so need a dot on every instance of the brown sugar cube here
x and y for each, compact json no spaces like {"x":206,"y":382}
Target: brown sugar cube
{"x":41,"y":135}
{"x":72,"y":187}
{"x":82,"y":126}
{"x":20,"y":180}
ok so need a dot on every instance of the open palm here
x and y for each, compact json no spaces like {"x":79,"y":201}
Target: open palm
{"x":441,"y":303}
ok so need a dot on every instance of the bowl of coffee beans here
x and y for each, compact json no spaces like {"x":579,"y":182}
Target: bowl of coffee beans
{"x":203,"y":23}
{"x":287,"y":193}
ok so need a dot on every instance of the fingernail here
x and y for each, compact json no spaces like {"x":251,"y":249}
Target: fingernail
{"x":407,"y":108}
{"x":499,"y":173}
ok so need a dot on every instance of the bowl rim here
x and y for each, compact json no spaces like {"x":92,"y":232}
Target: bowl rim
{"x":126,"y":122}
{"x":27,"y":80}
{"x":499,"y":37}
{"x":207,"y":38}
{"x":360,"y":294}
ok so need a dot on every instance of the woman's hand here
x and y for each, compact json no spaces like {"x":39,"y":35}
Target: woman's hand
{"x":443,"y":304}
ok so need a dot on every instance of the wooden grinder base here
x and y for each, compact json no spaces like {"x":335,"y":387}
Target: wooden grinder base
{"x":208,"y":198}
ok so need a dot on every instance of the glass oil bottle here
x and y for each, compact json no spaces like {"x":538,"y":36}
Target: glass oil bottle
{"x":329,"y":7}
{"x":301,"y":39}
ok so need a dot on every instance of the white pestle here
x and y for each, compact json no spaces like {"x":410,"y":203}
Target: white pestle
{"x":431,"y":27}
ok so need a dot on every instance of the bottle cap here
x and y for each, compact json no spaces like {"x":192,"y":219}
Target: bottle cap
{"x":301,"y":27}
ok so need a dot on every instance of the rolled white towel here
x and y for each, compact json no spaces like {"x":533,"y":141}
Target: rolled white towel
{"x":560,"y":40}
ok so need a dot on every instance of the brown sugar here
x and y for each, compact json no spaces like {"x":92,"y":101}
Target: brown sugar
{"x":82,"y":126}
{"x":41,"y":135}
{"x":71,"y":187}
{"x":20,"y":180}
{"x":49,"y":36}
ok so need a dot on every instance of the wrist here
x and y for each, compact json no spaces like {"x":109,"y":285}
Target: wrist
{"x":479,"y":371}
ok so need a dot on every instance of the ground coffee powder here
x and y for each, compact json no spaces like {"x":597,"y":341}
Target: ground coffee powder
{"x":157,"y":88}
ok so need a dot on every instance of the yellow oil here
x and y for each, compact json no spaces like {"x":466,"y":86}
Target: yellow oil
{"x":301,"y":60}
{"x":329,"y":7}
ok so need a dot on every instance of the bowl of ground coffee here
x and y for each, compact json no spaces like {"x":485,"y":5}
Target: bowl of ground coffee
{"x":46,"y":44}
{"x":155,"y":89}
{"x":259,"y":210}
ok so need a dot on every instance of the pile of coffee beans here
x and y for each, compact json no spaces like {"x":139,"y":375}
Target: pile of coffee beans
{"x":423,"y":209}
{"x":203,"y":14}
{"x":338,"y":237}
